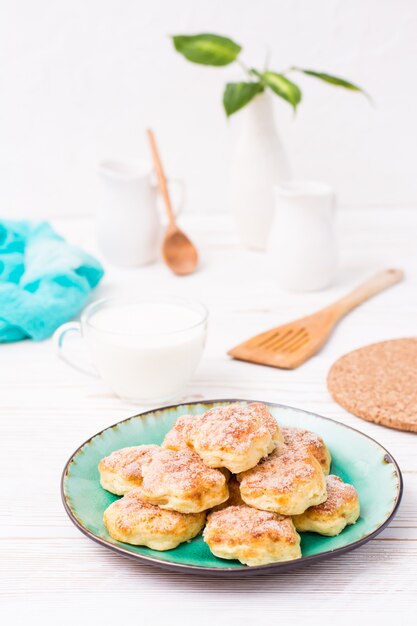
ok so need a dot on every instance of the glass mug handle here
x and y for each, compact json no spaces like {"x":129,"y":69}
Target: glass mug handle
{"x":59,"y":340}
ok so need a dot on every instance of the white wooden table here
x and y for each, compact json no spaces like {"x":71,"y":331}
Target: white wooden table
{"x":53,"y":574}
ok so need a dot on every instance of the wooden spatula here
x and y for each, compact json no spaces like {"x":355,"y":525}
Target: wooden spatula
{"x":288,"y":346}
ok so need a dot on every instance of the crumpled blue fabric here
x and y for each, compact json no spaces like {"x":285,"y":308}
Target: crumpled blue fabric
{"x":44,"y":281}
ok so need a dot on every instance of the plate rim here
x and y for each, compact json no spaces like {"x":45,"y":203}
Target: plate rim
{"x":242,"y":570}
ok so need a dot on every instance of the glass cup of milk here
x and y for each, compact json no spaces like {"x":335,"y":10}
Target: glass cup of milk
{"x":145,"y":349}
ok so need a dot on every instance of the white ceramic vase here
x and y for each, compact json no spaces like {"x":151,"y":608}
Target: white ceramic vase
{"x":259,"y":163}
{"x":302,"y":249}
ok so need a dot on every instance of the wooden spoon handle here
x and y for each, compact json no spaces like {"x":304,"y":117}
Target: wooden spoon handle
{"x":161,"y":176}
{"x":369,"y":288}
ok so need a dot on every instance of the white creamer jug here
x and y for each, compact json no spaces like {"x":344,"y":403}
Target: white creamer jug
{"x":302,"y":251}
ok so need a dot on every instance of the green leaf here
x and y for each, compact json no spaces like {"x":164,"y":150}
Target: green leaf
{"x":207,"y":49}
{"x":237,"y":95}
{"x":332,"y":80}
{"x":281,"y":86}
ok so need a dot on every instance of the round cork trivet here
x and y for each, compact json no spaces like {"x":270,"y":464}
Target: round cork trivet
{"x":379,"y":383}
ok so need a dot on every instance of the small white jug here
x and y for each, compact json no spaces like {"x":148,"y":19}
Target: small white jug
{"x":302,"y":251}
{"x":127,"y":218}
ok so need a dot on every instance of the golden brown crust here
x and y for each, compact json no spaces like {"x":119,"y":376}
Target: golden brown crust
{"x":287,"y":482}
{"x":269,"y":420}
{"x":234,"y":499}
{"x":236,"y":524}
{"x":233,"y":427}
{"x":339,"y":495}
{"x":134,"y":521}
{"x":299,"y":438}
{"x":235,"y":436}
{"x":175,"y":439}
{"x":330,"y":518}
{"x":179,"y":480}
{"x":252,"y":536}
{"x":121,"y":471}
{"x":281,"y":471}
{"x":127,"y":460}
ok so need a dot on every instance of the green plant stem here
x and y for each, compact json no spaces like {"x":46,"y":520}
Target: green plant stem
{"x":258,"y":77}
{"x":244,"y":67}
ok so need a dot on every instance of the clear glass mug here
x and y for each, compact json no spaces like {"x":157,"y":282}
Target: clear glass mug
{"x":149,"y":365}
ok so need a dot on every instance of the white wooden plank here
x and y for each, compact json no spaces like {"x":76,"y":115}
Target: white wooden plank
{"x":47,"y":410}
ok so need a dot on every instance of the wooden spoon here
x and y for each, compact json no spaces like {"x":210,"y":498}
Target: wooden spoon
{"x":288,"y":346}
{"x":178,"y":252}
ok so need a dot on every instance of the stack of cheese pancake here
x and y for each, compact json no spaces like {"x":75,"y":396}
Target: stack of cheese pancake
{"x":234,"y":472}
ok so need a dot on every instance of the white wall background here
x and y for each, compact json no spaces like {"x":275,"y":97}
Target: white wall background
{"x":81,"y":79}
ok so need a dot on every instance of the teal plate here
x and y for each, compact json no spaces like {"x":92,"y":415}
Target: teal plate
{"x":356,"y":458}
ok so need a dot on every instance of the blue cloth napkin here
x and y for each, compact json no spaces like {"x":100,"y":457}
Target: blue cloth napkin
{"x":44,"y":281}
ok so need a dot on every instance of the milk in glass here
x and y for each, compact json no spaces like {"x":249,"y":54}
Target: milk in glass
{"x":146,"y":350}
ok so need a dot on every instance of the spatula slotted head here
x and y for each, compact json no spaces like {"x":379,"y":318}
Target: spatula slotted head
{"x":286,"y":346}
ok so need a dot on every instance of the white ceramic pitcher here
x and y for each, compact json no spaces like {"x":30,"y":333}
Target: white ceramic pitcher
{"x":128,"y":218}
{"x":302,"y":251}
